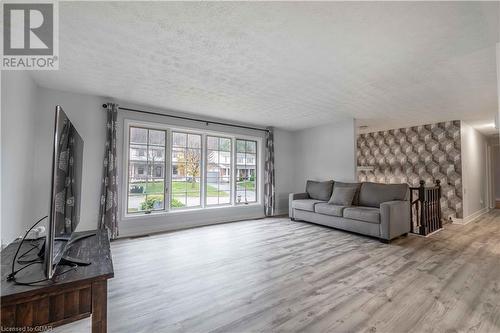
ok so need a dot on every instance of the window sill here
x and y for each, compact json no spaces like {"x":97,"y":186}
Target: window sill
{"x":131,"y":217}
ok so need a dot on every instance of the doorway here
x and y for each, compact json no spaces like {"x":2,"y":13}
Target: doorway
{"x":494,"y":183}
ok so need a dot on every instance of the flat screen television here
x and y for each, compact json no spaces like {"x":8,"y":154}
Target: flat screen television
{"x":65,"y":192}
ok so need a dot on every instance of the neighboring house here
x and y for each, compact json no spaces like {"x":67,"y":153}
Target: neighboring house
{"x":140,"y":168}
{"x":245,"y":164}
{"x":219,"y":165}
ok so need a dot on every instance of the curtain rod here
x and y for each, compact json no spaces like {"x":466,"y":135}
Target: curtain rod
{"x":191,"y":119}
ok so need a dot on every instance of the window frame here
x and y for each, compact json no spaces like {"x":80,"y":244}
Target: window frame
{"x":202,"y":168}
{"x":145,"y":169}
{"x":257,"y":170}
{"x":169,"y":128}
{"x":231,"y":175}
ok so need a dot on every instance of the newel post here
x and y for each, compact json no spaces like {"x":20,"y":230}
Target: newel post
{"x":421,"y":199}
{"x":438,"y":185}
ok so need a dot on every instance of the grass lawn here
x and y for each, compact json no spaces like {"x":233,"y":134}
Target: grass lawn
{"x":155,"y":193}
{"x":193,"y":190}
{"x":156,"y":187}
{"x":246,"y":184}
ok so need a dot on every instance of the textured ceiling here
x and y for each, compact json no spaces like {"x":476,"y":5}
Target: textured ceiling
{"x":290,"y":65}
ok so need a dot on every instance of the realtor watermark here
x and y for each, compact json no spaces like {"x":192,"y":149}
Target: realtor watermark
{"x":30,"y":36}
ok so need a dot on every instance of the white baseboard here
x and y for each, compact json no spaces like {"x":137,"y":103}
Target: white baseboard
{"x":281,"y":212}
{"x":471,"y":217}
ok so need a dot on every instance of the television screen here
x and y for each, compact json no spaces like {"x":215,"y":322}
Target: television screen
{"x":65,"y":191}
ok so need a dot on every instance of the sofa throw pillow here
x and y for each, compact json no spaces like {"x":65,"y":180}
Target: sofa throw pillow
{"x":342,"y":196}
{"x":319,"y":190}
{"x":357,"y":186}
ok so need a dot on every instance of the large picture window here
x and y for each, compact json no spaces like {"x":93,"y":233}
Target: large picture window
{"x":218,"y":185}
{"x":246,"y":171}
{"x":186,"y":170}
{"x":172,"y":169}
{"x":146,"y":170}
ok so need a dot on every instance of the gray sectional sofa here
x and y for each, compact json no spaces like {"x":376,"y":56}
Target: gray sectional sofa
{"x":372,"y":209}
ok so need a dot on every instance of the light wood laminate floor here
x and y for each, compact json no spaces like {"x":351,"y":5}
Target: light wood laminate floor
{"x":282,"y":276}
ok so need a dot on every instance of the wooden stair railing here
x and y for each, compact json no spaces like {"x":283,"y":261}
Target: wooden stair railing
{"x":425,"y":208}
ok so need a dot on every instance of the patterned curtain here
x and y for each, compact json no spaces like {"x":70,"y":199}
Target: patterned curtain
{"x":108,"y":211}
{"x":269,"y":190}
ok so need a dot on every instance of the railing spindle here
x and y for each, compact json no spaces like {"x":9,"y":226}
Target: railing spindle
{"x":426,"y":208}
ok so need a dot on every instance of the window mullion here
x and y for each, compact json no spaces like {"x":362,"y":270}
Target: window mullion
{"x":168,"y":171}
{"x":147,"y":165}
{"x":186,"y":175}
{"x":219,"y":179}
{"x":223,"y":186}
{"x":234,"y":172}
{"x":203,"y":171}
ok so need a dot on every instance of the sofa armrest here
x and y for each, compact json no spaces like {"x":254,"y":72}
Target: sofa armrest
{"x":295,"y":196}
{"x":394,"y":219}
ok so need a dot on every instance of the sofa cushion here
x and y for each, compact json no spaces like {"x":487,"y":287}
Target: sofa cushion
{"x":373,"y":194}
{"x":305,"y":204}
{"x":329,"y":209}
{"x":365,"y":214}
{"x":342,"y":196}
{"x":319,"y":190}
{"x":357,"y":186}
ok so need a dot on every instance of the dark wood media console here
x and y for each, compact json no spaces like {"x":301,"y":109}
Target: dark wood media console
{"x":71,"y":296}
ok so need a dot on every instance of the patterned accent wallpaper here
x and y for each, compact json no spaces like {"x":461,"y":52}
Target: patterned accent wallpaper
{"x":407,"y":155}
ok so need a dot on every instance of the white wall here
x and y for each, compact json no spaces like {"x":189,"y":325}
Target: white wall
{"x":2,"y":109}
{"x":325,"y":152}
{"x":498,"y":79}
{"x":474,"y":170}
{"x":86,"y":113}
{"x":318,"y":153}
{"x":19,"y":94}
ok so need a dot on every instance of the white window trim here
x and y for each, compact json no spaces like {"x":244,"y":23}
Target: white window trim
{"x":202,"y":166}
{"x":257,"y":166}
{"x":126,"y":164}
{"x":231,"y":176}
{"x":168,"y":165}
